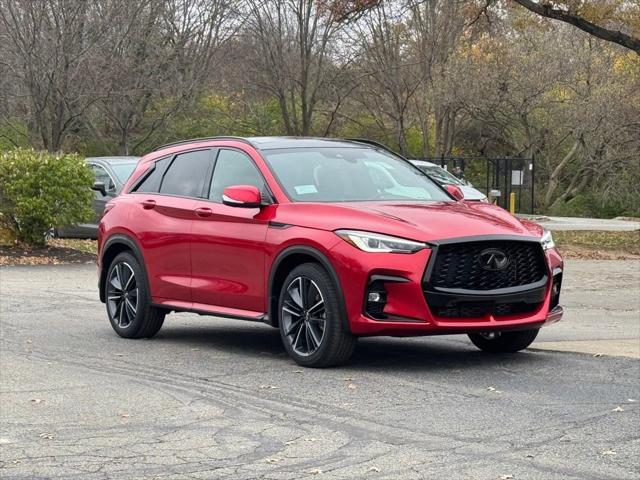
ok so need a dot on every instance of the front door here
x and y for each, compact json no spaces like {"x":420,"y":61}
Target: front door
{"x":227,"y":249}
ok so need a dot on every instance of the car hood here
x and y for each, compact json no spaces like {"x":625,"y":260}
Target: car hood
{"x":417,"y":221}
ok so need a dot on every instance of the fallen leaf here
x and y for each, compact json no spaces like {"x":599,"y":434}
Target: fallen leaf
{"x":618,"y":409}
{"x":36,"y":401}
{"x":267,"y":387}
{"x":46,"y":436}
{"x":374,"y":469}
{"x":315,"y":471}
{"x":608,"y":452}
{"x":352,"y":386}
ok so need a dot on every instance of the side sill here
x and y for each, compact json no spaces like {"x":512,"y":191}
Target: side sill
{"x":213,"y":312}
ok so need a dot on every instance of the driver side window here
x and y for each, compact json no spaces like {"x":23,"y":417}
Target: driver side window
{"x":233,"y":168}
{"x":103,"y":176}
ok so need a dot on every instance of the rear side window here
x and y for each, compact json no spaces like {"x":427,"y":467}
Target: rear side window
{"x":233,"y":168}
{"x":151,"y":183}
{"x":187,"y":174}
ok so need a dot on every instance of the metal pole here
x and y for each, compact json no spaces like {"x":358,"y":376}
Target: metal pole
{"x":533,"y":182}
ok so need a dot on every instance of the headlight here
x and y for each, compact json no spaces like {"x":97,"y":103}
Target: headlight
{"x":547,"y":240}
{"x":378,"y":243}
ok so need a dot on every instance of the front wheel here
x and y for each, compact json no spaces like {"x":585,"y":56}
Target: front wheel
{"x":311,"y":324}
{"x":504,"y":342}
{"x":129,"y":301}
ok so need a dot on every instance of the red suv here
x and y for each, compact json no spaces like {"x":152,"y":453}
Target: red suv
{"x":327,"y":240}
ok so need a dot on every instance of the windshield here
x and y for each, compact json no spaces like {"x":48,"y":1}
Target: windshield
{"x":440,"y":175}
{"x":123,"y":170}
{"x":349,"y":174}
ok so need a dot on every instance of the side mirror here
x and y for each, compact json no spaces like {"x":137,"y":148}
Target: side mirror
{"x":99,"y":187}
{"x":455,"y":192}
{"x":245,"y":196}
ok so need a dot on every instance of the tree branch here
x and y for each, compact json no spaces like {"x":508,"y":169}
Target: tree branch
{"x":546,"y":9}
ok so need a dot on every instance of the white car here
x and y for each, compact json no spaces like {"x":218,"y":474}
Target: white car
{"x":441,"y":176}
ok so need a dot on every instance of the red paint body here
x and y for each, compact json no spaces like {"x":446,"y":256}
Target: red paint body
{"x":214,"y":258}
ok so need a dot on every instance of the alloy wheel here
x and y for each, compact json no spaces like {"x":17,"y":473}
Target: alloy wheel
{"x":304,"y":316}
{"x":122,"y":295}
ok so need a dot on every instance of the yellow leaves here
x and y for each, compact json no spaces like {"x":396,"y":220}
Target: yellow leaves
{"x":627,"y":65}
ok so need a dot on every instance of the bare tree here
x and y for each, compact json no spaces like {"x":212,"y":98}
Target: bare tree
{"x":160,"y":58}
{"x":50,"y":46}
{"x":293,"y":41}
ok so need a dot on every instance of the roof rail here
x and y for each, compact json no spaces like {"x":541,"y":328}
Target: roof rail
{"x":204,"y":139}
{"x":373,"y":143}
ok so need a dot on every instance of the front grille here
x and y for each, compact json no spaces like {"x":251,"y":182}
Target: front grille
{"x":457,"y":265}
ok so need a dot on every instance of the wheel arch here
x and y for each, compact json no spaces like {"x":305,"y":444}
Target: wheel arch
{"x":113,"y":246}
{"x":286,"y":261}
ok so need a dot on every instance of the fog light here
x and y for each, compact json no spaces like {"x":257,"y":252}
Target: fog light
{"x":374,"y":297}
{"x":376,"y":300}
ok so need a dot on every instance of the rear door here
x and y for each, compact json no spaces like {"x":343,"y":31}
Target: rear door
{"x":163,"y":221}
{"x":227,"y":250}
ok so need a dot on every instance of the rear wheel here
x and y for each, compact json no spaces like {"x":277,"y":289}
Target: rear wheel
{"x":504,"y":342}
{"x":129,"y":301}
{"x":311,"y":324}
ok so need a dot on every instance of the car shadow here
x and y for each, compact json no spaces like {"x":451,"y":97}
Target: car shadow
{"x":371,"y":353}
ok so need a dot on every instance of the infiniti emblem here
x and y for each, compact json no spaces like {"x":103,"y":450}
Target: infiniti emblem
{"x":493,"y":259}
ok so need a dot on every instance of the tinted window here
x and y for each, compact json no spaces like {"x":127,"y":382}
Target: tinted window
{"x":349,"y":174}
{"x":233,"y":168}
{"x":186,"y":174}
{"x":151,"y":184}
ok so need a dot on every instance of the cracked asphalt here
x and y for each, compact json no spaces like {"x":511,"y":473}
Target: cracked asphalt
{"x":213,"y":398}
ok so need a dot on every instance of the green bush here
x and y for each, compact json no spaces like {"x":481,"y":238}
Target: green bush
{"x":39,"y":190}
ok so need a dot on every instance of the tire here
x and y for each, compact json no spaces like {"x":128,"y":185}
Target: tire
{"x":130,"y":313}
{"x":504,"y":342}
{"x":313,"y":333}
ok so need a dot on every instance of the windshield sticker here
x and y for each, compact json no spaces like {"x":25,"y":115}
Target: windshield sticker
{"x":305,"y":189}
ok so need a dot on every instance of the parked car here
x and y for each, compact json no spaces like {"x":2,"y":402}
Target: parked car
{"x":111,"y":174}
{"x":305,"y":235}
{"x":443,"y":177}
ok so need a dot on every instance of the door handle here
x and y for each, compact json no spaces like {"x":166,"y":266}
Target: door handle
{"x":148,"y":204}
{"x":203,"y":212}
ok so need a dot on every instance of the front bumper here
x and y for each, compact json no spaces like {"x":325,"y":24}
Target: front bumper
{"x":407,"y":313}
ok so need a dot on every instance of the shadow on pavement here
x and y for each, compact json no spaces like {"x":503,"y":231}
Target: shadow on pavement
{"x":372,"y":353}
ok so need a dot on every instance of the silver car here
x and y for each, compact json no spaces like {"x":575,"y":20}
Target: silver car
{"x":443,"y":177}
{"x":110,"y":175}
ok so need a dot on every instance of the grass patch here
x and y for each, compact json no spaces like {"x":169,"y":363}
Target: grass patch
{"x":622,"y":242}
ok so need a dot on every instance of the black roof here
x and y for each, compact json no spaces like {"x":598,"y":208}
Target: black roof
{"x":272,"y":143}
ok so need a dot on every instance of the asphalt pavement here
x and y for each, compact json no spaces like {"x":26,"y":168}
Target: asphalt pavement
{"x":213,"y":398}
